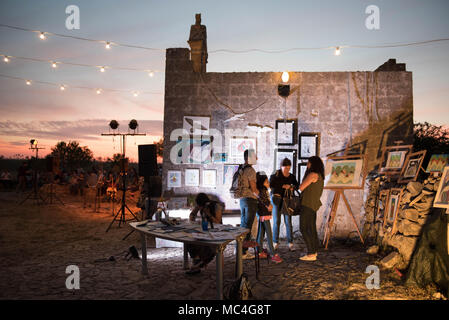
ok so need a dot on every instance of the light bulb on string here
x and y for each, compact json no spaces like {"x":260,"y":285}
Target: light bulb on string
{"x":136,"y":93}
{"x":98,"y":91}
{"x":62,"y":87}
{"x":108,"y":45}
{"x":337,"y":51}
{"x":151,"y":74}
{"x":54,"y":65}
{"x":28,"y":82}
{"x":42,"y":36}
{"x":102,"y":69}
{"x":6,"y":59}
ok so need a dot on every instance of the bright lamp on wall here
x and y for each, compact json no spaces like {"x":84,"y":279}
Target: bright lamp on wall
{"x":284,"y":88}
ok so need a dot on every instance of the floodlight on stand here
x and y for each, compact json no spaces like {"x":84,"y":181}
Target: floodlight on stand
{"x":33,"y":142}
{"x":113,"y":124}
{"x":133,"y":124}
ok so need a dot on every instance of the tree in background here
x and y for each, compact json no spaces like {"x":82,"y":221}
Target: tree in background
{"x":71,"y":155}
{"x":434,"y":139}
{"x":160,"y":147}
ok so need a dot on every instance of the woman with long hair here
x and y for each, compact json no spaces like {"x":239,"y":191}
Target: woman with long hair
{"x":311,"y":189}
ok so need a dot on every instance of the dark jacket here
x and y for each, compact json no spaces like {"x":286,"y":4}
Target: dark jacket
{"x":263,"y":202}
{"x":277,"y":180}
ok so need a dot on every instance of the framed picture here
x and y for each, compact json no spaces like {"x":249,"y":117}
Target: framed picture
{"x":382,"y":203}
{"x":173,"y":179}
{"x":411,"y":167}
{"x":285,"y":132}
{"x":442,"y":196}
{"x":345,"y":172}
{"x":228,"y":173}
{"x":194,"y":151}
{"x":437,"y":162}
{"x":192,"y":177}
{"x":393,"y":158}
{"x":302,"y":167}
{"x":391,"y":213}
{"x":237,"y":147}
{"x":281,"y":154}
{"x":210,"y":178}
{"x":308,"y":145}
{"x":196,"y":126}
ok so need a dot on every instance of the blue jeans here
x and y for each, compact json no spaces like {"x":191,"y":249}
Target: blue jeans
{"x":277,"y":223}
{"x":248,"y":209}
{"x":265,"y":227}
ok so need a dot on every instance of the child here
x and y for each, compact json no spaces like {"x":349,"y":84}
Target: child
{"x":264,"y":208}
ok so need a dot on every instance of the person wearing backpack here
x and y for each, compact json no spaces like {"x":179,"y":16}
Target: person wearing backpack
{"x":281,"y":181}
{"x":264,"y":209}
{"x":311,"y":189}
{"x":247,"y":193}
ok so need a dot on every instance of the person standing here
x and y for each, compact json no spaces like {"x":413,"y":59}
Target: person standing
{"x":281,"y":181}
{"x":311,"y":189}
{"x":248,"y":200}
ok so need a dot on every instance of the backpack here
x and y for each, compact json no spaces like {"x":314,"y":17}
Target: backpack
{"x":237,"y":182}
{"x":240,"y":289}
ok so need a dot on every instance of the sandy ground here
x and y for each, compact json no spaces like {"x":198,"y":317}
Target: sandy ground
{"x":37,"y":243}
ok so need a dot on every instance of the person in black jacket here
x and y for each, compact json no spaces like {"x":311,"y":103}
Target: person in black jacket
{"x":281,"y":181}
{"x":264,"y":208}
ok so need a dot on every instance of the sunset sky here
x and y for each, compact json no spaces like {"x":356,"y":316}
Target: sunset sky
{"x":46,"y":113}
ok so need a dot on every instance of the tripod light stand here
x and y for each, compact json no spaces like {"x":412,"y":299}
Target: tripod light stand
{"x":34,"y":194}
{"x":121,"y":212}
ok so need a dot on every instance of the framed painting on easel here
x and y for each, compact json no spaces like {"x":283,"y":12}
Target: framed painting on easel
{"x":393,"y":158}
{"x":412,"y":166}
{"x":345,"y":172}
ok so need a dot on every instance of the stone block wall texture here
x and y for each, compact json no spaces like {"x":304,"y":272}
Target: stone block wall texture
{"x":371,"y":108}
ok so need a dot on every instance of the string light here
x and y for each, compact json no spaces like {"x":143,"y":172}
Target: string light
{"x":136,"y":93}
{"x":54,"y":65}
{"x":337,"y":51}
{"x":6,"y":59}
{"x":102,"y":69}
{"x":108,"y":45}
{"x":98,"y":91}
{"x":151,"y":74}
{"x":28,"y":82}
{"x":62,"y":87}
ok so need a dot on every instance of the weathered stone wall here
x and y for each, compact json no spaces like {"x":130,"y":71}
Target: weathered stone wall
{"x":371,"y":108}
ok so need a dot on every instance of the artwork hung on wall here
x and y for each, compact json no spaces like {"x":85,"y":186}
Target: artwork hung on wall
{"x":344,"y":172}
{"x":237,"y":147}
{"x":173,"y":179}
{"x":308,"y":145}
{"x":228,"y":173}
{"x":197,"y":126}
{"x":192,"y":177}
{"x":437,"y":162}
{"x":411,"y":167}
{"x":302,"y":167}
{"x":210,"y":178}
{"x":194,"y":151}
{"x":219,"y":157}
{"x":391,"y":213}
{"x":285,"y":132}
{"x":442,"y":196}
{"x":281,"y":154}
{"x":393,"y":158}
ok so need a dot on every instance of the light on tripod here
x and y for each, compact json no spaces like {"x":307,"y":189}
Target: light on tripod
{"x":33,"y":142}
{"x":113,"y":124}
{"x":133,"y":124}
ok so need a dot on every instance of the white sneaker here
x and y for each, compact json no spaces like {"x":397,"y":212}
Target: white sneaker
{"x":276,"y":245}
{"x":291,"y":247}
{"x":248,"y":256}
{"x":308,"y":257}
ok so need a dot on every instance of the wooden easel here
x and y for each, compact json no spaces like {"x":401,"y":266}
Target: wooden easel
{"x":330,"y":221}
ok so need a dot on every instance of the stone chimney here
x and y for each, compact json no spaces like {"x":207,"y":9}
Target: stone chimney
{"x":198,"y":45}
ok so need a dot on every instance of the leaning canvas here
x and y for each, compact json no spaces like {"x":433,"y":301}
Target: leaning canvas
{"x":437,"y":162}
{"x":442,"y":196}
{"x":395,"y":160}
{"x":343,"y":173}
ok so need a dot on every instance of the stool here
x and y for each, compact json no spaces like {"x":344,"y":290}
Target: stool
{"x":253,"y":244}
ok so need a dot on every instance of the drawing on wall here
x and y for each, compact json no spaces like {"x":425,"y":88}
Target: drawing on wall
{"x":442,"y":196}
{"x":237,"y":147}
{"x":220,"y":157}
{"x":173,"y":179}
{"x":192,"y":177}
{"x":343,"y":173}
{"x":194,"y":151}
{"x":437,"y":162}
{"x":302,"y":167}
{"x":281,"y":154}
{"x":308,"y":145}
{"x":285,"y":132}
{"x":196,"y":125}
{"x":395,"y":159}
{"x":228,"y":173}
{"x":210,"y":178}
